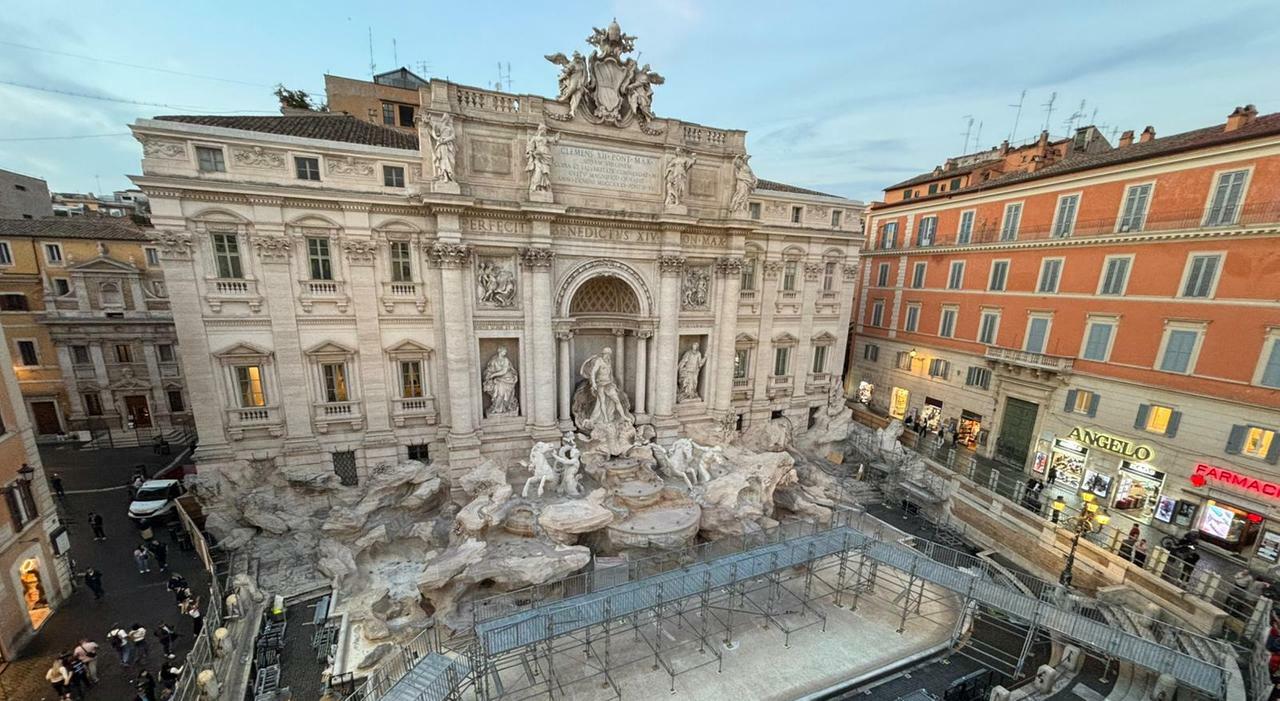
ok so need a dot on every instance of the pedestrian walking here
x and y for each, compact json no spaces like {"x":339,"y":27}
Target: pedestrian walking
{"x":93,"y":580}
{"x":56,"y":482}
{"x":142,"y":558}
{"x":87,"y":652}
{"x":169,"y":675}
{"x":168,"y":636}
{"x":197,"y":618}
{"x":160,"y":552}
{"x":1053,"y":475}
{"x":146,"y":685}
{"x":95,"y":522}
{"x":118,"y":639}
{"x":79,"y":674}
{"x":138,"y":639}
{"x":138,"y":481}
{"x":59,"y":678}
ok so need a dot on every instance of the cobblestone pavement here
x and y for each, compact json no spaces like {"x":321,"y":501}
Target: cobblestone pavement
{"x":95,"y":481}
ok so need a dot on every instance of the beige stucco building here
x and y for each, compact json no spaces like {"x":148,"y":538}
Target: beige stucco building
{"x":342,"y":290}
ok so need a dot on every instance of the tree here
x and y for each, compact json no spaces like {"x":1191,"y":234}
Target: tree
{"x":297,"y":99}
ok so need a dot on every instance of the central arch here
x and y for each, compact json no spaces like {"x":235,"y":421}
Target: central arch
{"x":602,"y":276}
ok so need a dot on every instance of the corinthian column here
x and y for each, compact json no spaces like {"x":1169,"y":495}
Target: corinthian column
{"x":664,"y":400}
{"x":642,"y":370}
{"x":542,"y":341}
{"x":729,"y":270}
{"x":450,"y":259}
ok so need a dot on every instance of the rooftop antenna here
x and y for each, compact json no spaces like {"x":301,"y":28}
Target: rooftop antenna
{"x":977,"y":140}
{"x":967,"y":130}
{"x":373,"y":67}
{"x":1014,"y":131}
{"x":1073,"y":118}
{"x":1093,"y":119}
{"x":503,"y":75}
{"x":1048,"y":107}
{"x":395,"y":55}
{"x":423,"y":68}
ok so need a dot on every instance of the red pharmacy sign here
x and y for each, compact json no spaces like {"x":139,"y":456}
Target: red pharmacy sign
{"x":1206,"y":473}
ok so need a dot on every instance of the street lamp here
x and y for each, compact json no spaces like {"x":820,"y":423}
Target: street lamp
{"x":1089,"y":520}
{"x":27,"y":472}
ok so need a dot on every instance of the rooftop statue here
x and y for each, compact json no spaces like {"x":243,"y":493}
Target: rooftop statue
{"x":606,"y":87}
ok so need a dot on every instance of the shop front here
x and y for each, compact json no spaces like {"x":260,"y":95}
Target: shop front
{"x":1066,"y":463}
{"x":931,"y":414}
{"x":899,"y":400}
{"x":969,"y":430}
{"x":1138,"y":490}
{"x":1230,"y":518}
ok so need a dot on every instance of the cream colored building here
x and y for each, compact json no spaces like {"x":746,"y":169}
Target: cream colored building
{"x":340,"y":288}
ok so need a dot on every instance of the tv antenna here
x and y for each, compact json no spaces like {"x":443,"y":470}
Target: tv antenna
{"x":395,"y":55}
{"x":967,"y":130}
{"x":373,"y":67}
{"x":1014,"y":131}
{"x":977,"y":140}
{"x":1073,"y":118}
{"x":1048,"y":109}
{"x":423,"y":68}
{"x":504,"y":74}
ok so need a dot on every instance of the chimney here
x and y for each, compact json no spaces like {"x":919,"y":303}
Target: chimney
{"x":1004,"y":148}
{"x":1126,"y":139}
{"x":1147,"y":134}
{"x":1241,"y":116}
{"x":1044,"y":140}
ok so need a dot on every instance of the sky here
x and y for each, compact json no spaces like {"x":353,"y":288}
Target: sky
{"x":843,"y":97}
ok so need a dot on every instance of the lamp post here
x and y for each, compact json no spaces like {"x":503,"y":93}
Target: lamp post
{"x":1089,"y":520}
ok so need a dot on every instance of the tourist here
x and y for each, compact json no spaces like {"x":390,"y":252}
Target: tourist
{"x":59,"y":678}
{"x":1140,"y":553}
{"x":95,"y":522}
{"x":93,"y":580}
{"x":58,"y":490}
{"x":159,"y":552}
{"x":168,"y":636}
{"x":79,"y":673}
{"x":142,"y":558}
{"x":169,"y":675}
{"x":138,"y":638}
{"x":118,"y":638}
{"x":1053,"y":474}
{"x":87,"y":652}
{"x":146,"y":685}
{"x":197,"y":618}
{"x":178,"y":585}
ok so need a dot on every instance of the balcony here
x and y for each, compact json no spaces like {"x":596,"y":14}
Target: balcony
{"x":242,"y":420}
{"x":413,"y":410}
{"x":221,"y":290}
{"x":323,"y":291}
{"x":1017,"y":360}
{"x":342,"y":414}
{"x":406,"y":292}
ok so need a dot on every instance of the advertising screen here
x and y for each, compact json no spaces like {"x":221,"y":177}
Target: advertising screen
{"x":1217,"y":521}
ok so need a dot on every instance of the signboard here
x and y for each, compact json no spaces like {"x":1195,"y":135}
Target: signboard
{"x":1269,"y":548}
{"x":607,"y":170}
{"x":1203,"y":474}
{"x":1112,"y":444}
{"x":1039,"y":464}
{"x":1164,"y":508}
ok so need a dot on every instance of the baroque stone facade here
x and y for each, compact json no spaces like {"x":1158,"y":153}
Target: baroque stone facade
{"x":338,"y":312}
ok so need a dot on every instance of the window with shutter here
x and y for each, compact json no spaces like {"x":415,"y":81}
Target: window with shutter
{"x":1178,"y":351}
{"x":1065,"y":219}
{"x":1134,"y":215}
{"x":1225,"y":206}
{"x":1037,"y":334}
{"x":1271,"y":371}
{"x":965,"y":231}
{"x":1202,"y":272}
{"x":1012,"y":218}
{"x":1097,"y":342}
{"x":1235,"y":439}
{"x":1115,"y":275}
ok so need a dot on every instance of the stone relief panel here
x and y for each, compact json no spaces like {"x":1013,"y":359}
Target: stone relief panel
{"x":496,"y":282}
{"x":490,"y":156}
{"x":702,"y":182}
{"x":500,"y":376}
{"x":692,"y":359}
{"x":695,"y":292}
{"x":163,"y":148}
{"x":350,"y":167}
{"x":258,"y":157}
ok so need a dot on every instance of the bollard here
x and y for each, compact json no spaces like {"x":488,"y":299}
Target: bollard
{"x":1165,"y":688}
{"x":221,"y":642}
{"x":999,"y":693}
{"x":1046,"y":676}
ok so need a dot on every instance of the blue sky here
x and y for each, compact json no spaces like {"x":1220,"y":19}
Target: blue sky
{"x":843,"y":97}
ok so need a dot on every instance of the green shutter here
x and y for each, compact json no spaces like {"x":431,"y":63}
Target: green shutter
{"x":1273,"y":453}
{"x":1141,"y":421}
{"x":1071,"y":400}
{"x":1093,"y":404}
{"x":1235,"y":439}
{"x":1174,"y":419}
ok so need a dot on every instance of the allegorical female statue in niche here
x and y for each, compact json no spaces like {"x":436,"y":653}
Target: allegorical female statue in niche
{"x":500,"y":380}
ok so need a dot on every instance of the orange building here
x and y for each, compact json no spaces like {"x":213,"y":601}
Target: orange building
{"x":390,"y":99}
{"x":1107,"y":314}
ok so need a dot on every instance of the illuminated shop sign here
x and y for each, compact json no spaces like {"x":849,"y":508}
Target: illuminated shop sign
{"x":1206,"y":473}
{"x":1113,"y":444}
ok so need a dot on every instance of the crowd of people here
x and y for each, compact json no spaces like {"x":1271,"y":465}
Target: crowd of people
{"x":74,"y":673}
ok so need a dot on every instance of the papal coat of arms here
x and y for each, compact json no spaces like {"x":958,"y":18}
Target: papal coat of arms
{"x":606,"y":88}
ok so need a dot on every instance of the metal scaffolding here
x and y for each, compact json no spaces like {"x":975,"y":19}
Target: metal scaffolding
{"x":553,"y":639}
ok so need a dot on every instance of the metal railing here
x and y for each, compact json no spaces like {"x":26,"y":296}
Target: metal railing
{"x":392,"y":668}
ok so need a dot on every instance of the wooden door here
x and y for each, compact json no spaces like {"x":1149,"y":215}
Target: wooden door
{"x":1016,"y":431}
{"x":139,"y":412}
{"x":46,"y":417}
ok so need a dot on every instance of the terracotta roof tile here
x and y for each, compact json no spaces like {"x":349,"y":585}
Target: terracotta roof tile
{"x":93,"y":228}
{"x":322,"y":126}
{"x":763,"y":184}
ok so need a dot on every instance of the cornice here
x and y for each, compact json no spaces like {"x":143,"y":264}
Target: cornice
{"x":1069,"y":242}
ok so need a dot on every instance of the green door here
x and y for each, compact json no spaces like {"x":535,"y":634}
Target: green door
{"x":1016,"y":430}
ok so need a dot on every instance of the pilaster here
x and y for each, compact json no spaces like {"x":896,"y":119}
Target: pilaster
{"x":542,"y":341}
{"x":464,"y":443}
{"x":729,"y":270}
{"x":670,"y":273}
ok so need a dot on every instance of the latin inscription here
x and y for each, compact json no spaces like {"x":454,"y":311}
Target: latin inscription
{"x":605,"y":233}
{"x":703,"y":240}
{"x":598,"y":168}
{"x":494,"y":226}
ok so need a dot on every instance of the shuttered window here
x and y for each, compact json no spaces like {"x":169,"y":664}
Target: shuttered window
{"x":1065,"y":220}
{"x":1225,"y":207}
{"x":1255,"y":442}
{"x":1134,"y":215}
{"x":1158,"y":419}
{"x":1081,"y":401}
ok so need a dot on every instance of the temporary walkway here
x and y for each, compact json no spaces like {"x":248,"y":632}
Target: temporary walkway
{"x":541,"y":622}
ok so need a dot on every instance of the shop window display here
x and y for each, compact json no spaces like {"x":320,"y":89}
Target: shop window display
{"x":969,"y":430}
{"x":1067,"y":462}
{"x":931,"y":414}
{"x":898,"y":403}
{"x":1269,"y":548}
{"x":1229,"y":526}
{"x":1096,"y":482}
